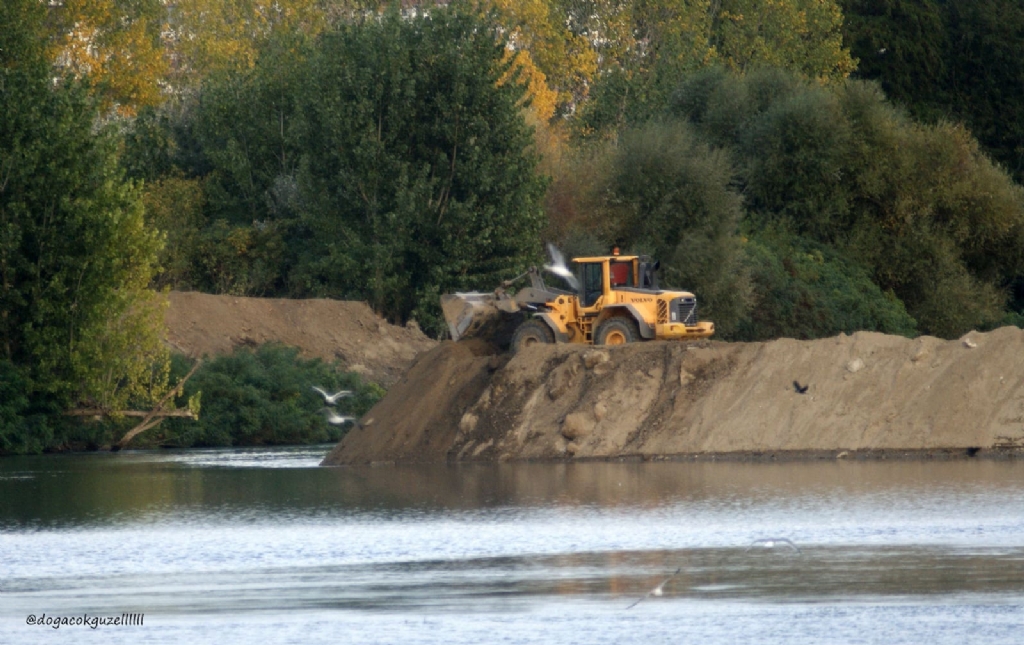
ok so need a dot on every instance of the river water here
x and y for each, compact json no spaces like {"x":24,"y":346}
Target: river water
{"x":262,"y":546}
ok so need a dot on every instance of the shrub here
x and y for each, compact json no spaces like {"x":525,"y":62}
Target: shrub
{"x":928,"y":216}
{"x":802,"y":289}
{"x":264,"y":396}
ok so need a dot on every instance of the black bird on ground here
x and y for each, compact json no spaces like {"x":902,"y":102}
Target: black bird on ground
{"x":800,"y":389}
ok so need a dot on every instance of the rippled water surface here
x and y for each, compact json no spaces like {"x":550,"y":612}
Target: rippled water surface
{"x":247,"y":546}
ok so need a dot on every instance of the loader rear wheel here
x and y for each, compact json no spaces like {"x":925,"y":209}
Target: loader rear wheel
{"x":617,"y":331}
{"x":532,"y":332}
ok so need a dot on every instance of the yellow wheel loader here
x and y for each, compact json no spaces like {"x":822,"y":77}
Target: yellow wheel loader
{"x":616,"y":300}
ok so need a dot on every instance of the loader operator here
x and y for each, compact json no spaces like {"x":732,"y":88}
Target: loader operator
{"x":619,"y":271}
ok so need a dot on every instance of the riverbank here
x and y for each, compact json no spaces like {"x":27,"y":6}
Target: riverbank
{"x":868,"y":395}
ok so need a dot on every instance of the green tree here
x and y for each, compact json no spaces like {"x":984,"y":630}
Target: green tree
{"x":174,"y":206}
{"x":211,"y":37}
{"x":417,"y":175}
{"x":904,"y":45}
{"x":668,"y":39}
{"x":658,"y":41}
{"x":986,"y":77}
{"x":389,"y":161}
{"x":220,"y":169}
{"x":245,"y":124}
{"x":957,"y":60}
{"x":802,"y":289}
{"x":802,"y":36}
{"x":671,"y":196}
{"x":78,"y":323}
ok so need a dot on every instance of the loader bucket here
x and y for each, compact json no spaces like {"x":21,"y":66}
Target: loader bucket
{"x":480,"y":315}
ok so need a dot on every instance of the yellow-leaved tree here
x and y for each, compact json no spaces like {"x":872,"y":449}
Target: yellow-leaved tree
{"x":565,"y":59}
{"x":208,"y":36}
{"x":116,"y":44}
{"x":800,"y":35}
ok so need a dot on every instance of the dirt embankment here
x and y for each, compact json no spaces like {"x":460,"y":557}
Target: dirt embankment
{"x":200,"y":324}
{"x":866,"y":392}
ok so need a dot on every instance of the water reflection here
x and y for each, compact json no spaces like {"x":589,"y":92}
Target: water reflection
{"x":198,"y":539}
{"x":106,"y":487}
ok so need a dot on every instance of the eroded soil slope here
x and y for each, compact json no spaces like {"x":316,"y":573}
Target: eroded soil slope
{"x":866,"y":392}
{"x":200,"y":324}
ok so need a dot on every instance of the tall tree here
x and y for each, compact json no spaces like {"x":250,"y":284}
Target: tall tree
{"x":667,"y":39}
{"x":75,"y":256}
{"x":539,"y":29}
{"x":389,"y":160}
{"x":986,"y":78}
{"x":957,"y":60}
{"x":214,"y":36}
{"x":800,"y":35}
{"x":904,"y":44}
{"x":418,"y":174}
{"x":117,"y":44}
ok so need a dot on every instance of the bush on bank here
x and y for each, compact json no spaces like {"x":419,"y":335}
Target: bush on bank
{"x":251,"y":397}
{"x":262,"y":397}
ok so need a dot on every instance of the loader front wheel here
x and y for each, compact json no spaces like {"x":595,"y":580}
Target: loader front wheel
{"x":532,"y":332}
{"x":617,"y":331}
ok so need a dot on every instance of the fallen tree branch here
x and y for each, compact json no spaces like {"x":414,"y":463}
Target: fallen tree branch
{"x":99,"y":412}
{"x":154,"y":417}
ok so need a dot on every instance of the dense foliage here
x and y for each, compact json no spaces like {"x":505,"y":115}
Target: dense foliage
{"x":800,"y":289}
{"x":660,"y":40}
{"x":78,"y":325}
{"x":960,"y":60}
{"x":389,"y":162}
{"x":795,"y":208}
{"x":264,"y":397}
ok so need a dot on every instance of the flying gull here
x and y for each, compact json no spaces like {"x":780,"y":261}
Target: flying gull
{"x":559,"y":268}
{"x":771,"y":543}
{"x":336,"y":419}
{"x":331,"y":399}
{"x":657,"y":591}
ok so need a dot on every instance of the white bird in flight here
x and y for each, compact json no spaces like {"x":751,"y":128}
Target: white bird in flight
{"x":771,"y":543}
{"x":336,"y":419}
{"x":657,"y":591}
{"x":767,"y":543}
{"x":331,"y":399}
{"x":559,"y":268}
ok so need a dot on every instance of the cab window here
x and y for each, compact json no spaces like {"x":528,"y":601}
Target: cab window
{"x":591,"y":282}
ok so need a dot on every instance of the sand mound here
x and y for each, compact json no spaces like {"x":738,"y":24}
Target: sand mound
{"x":199,"y":324}
{"x":414,"y":422}
{"x":866,"y":392}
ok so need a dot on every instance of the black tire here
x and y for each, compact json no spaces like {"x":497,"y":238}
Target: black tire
{"x":532,"y":332}
{"x":617,"y":331}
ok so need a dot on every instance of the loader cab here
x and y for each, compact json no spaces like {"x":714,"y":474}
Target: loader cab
{"x":599,"y":275}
